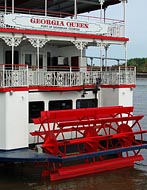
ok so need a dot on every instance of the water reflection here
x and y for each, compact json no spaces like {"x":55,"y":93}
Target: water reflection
{"x":124,"y":179}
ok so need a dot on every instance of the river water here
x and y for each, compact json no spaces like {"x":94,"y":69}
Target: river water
{"x":121,"y":179}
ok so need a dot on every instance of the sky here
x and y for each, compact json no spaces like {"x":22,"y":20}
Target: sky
{"x":136,"y":28}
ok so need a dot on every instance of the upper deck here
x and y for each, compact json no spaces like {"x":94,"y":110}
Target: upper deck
{"x":36,"y":35}
{"x":50,"y":17}
{"x":21,"y":76}
{"x":59,"y":6}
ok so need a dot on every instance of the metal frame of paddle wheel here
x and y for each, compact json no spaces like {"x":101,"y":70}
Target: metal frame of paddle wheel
{"x":90,"y":140}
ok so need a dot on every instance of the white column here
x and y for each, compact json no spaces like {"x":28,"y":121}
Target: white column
{"x":12,"y":42}
{"x":124,"y":7}
{"x":13,"y":6}
{"x":100,"y":44}
{"x":12,"y":56}
{"x":126,"y":55}
{"x":106,"y":55}
{"x":91,"y":60}
{"x":38,"y":43}
{"x":75,"y":9}
{"x":3,"y":82}
{"x":45,"y":7}
{"x":5,"y":6}
{"x":104,"y":15}
{"x":101,"y":3}
{"x":38,"y":56}
{"x":13,"y":52}
{"x":81,"y":53}
{"x":80,"y":45}
{"x":101,"y":54}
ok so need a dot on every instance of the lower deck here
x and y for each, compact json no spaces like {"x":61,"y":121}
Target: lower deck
{"x":28,"y":155}
{"x":20,"y":105}
{"x":70,"y":171}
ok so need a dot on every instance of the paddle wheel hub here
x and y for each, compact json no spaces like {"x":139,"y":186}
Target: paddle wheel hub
{"x":89,"y":140}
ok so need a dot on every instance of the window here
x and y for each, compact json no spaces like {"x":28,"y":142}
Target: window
{"x":48,"y":61}
{"x":8,"y":59}
{"x":60,"y":105}
{"x":40,"y":61}
{"x":86,"y":103}
{"x":34,"y":110}
{"x":28,"y":59}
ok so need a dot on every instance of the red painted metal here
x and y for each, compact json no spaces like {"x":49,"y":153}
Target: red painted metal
{"x":69,"y":133}
{"x":94,"y":167}
{"x":118,"y":86}
{"x":65,"y":34}
{"x":54,"y":88}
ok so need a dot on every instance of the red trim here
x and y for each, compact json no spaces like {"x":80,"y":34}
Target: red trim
{"x":14,"y":89}
{"x":119,"y":86}
{"x":65,"y":34}
{"x":47,"y":88}
{"x":59,"y":88}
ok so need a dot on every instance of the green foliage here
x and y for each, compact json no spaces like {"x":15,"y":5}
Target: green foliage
{"x":139,"y":63}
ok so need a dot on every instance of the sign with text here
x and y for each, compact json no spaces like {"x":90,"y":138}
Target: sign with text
{"x":35,"y":22}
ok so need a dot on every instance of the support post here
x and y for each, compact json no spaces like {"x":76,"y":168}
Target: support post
{"x":12,"y":52}
{"x":5,"y":6}
{"x":3,"y":82}
{"x":75,"y":9}
{"x":101,"y":3}
{"x":45,"y":7}
{"x":124,"y":7}
{"x":80,"y":45}
{"x":125,"y":54}
{"x":106,"y":55}
{"x":38,"y":56}
{"x":101,"y":59}
{"x":13,"y":6}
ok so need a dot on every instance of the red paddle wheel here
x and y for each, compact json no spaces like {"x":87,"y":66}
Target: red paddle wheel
{"x":90,"y":140}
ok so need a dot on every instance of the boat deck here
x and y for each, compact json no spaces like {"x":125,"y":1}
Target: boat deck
{"x":27,"y":155}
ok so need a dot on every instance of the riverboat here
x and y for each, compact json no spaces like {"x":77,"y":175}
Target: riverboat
{"x":59,"y":106}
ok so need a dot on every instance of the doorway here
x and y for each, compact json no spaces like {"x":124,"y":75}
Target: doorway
{"x":8,"y":59}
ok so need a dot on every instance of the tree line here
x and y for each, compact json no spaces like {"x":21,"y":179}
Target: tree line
{"x":139,"y":63}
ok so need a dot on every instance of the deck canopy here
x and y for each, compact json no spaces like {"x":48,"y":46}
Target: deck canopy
{"x":66,"y":6}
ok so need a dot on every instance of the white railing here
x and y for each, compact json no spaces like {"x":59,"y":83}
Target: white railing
{"x":25,"y":77}
{"x":16,"y":76}
{"x":13,"y":78}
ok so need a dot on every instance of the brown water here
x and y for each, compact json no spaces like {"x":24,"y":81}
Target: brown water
{"x":16,"y":178}
{"x":122,"y":179}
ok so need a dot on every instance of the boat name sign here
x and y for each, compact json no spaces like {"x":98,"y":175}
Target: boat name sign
{"x":54,"y":24}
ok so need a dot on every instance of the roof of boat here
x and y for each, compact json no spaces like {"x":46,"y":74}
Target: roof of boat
{"x":66,"y":6}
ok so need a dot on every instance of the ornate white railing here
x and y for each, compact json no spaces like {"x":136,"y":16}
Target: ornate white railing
{"x":25,"y":77}
{"x":13,"y":78}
